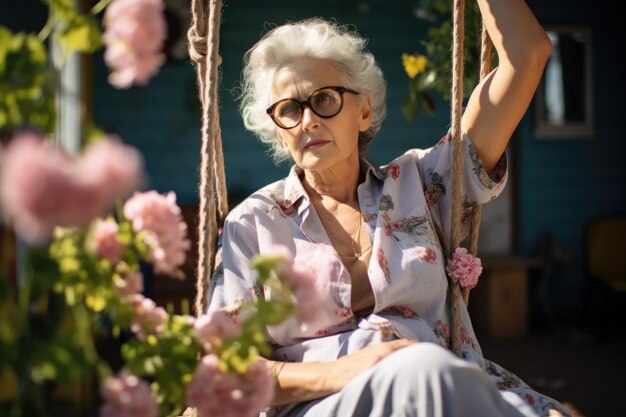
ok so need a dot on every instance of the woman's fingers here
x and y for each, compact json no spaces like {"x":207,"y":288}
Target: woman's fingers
{"x":349,"y":366}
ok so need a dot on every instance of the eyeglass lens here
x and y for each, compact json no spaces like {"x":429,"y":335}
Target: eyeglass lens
{"x":325,"y":102}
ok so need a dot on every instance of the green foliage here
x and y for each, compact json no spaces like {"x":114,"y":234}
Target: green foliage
{"x":168,"y":359}
{"x":82,"y":33}
{"x":26,"y":83}
{"x":437,"y":78}
{"x":43,"y":339}
{"x":56,"y":317}
{"x":78,"y":32}
{"x":238,"y":353}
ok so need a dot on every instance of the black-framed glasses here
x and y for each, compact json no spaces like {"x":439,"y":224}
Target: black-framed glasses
{"x":326,"y":102}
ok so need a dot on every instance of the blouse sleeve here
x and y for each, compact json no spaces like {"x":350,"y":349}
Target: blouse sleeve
{"x":477,"y":187}
{"x":234,"y":281}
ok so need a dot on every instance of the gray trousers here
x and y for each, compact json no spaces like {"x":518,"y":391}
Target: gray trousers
{"x":421,"y":380}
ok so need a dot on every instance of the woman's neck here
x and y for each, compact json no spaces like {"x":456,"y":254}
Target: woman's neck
{"x":338,"y":183}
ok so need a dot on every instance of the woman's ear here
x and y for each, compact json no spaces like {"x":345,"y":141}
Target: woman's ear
{"x":365,"y":119}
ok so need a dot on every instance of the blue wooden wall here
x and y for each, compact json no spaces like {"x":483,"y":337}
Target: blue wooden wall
{"x":560,"y":184}
{"x":565,"y":182}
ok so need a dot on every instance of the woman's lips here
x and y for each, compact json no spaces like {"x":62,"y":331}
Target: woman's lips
{"x":314,"y":144}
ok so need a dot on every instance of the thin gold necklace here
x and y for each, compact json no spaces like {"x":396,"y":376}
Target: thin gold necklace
{"x":356,"y":237}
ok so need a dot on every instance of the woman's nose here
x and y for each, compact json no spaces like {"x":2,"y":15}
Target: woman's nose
{"x":310,"y":120}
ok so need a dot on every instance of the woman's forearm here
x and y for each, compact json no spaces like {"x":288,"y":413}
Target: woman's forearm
{"x":298,"y":382}
{"x":500,"y":100}
{"x":516,"y":34}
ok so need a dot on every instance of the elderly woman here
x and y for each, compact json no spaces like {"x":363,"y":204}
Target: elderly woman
{"x":370,"y":236}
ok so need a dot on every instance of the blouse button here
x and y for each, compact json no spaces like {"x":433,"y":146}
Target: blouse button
{"x":369,"y":203}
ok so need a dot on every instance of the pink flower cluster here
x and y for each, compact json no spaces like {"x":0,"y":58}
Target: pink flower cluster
{"x":212,"y":329}
{"x":148,"y":317}
{"x":134,"y":34}
{"x":42,"y":186}
{"x":127,"y":396}
{"x":130,"y":284}
{"x":300,"y":280}
{"x":219,"y":394}
{"x":464,"y":268}
{"x":104,"y":241}
{"x":159,"y":220}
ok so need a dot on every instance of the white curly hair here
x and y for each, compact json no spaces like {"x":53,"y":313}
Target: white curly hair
{"x":312,"y":38}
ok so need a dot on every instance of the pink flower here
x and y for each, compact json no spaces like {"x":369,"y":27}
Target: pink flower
{"x":212,"y":329}
{"x":130,"y":284}
{"x":159,"y":220}
{"x":35,"y":181}
{"x":116,"y":168}
{"x":42,"y":186}
{"x":300,"y":280}
{"x":464,"y":268}
{"x":442,"y":330}
{"x":384,"y":265}
{"x":127,"y":396}
{"x":529,"y":399}
{"x":286,"y":208}
{"x":426,"y":254}
{"x":134,"y":34}
{"x":104,"y":242}
{"x":148,"y":318}
{"x":387,"y":223}
{"x":466,"y":339}
{"x":393,"y":171}
{"x":216,"y":393}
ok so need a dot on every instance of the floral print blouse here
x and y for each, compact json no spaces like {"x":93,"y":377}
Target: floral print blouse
{"x":406,"y":207}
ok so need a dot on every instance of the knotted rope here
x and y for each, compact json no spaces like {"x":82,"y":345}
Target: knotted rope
{"x":203,"y":37}
{"x":458,"y":48}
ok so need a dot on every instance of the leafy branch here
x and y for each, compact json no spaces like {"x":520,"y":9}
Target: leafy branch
{"x":436,"y":75}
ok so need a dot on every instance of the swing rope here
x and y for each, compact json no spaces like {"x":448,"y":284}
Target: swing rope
{"x":203,"y":36}
{"x":458,"y":49}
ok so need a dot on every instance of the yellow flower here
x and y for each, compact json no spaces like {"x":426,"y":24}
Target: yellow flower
{"x":414,"y":64}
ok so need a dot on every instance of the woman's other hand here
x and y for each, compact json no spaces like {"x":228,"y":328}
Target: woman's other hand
{"x":342,"y":371}
{"x":298,"y":382}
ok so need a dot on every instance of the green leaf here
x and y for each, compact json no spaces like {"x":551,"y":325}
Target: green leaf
{"x":36,"y":49}
{"x":92,"y":133}
{"x":26,"y":84}
{"x":410,"y":108}
{"x":82,"y":34}
{"x":5,"y":42}
{"x":63,"y":9}
{"x":438,"y":50}
{"x":429,"y":105}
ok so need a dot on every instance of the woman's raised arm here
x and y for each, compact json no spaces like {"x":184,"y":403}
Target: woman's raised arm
{"x":498,"y":103}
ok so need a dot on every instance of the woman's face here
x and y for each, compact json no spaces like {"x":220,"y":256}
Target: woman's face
{"x":319,"y":143}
